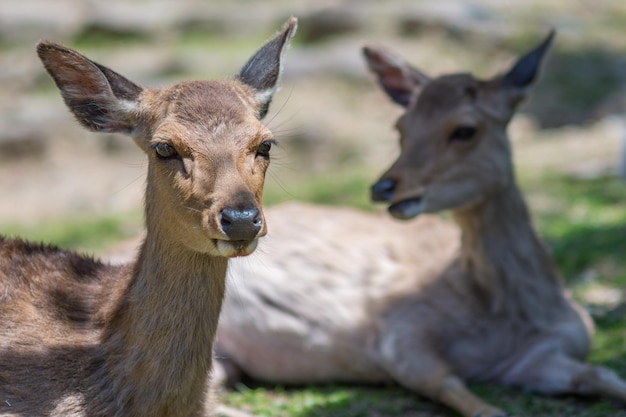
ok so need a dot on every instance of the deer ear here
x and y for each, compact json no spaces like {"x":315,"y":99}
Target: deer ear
{"x":399,"y":80}
{"x":100,"y":99}
{"x":262,"y":72}
{"x":525,"y":70}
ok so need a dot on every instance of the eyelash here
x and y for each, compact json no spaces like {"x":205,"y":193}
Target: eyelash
{"x":463,"y":134}
{"x":164,"y":151}
{"x":262,"y":151}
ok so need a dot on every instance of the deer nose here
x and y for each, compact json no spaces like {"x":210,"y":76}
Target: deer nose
{"x":383,"y":190}
{"x":240,"y":224}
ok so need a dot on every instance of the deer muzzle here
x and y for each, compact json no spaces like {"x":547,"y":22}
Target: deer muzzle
{"x":383,"y":190}
{"x":407,"y":209}
{"x":241,"y":224}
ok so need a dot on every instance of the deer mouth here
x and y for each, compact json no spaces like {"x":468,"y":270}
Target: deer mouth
{"x":234,"y":248}
{"x":407,"y":209}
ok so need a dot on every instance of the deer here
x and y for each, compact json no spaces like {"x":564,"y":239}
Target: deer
{"x":82,"y":337}
{"x":360,"y":297}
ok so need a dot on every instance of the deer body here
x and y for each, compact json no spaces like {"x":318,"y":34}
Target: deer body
{"x":367,"y":298}
{"x":322,"y":328}
{"x":90,"y":367}
{"x":84,"y":338}
{"x":356,"y":297}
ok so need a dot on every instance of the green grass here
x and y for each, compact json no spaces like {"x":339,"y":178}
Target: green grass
{"x":585,"y":226}
{"x":327,"y":401}
{"x":339,"y":188}
{"x":83,"y":233}
{"x":377,"y":401}
{"x":98,"y":36}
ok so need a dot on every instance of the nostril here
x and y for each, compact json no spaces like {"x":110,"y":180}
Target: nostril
{"x":225,"y":222}
{"x":241,"y":224}
{"x":383,"y":190}
{"x":258,"y":219}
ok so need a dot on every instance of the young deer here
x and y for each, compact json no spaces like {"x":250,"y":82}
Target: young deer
{"x":83,"y":338}
{"x":356,"y":297}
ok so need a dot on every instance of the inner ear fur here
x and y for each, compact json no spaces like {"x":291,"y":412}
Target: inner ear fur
{"x":398,"y":79}
{"x":263,"y":70}
{"x":100,"y":99}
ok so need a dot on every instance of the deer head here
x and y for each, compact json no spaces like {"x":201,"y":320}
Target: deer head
{"x":454,"y":146}
{"x":206,"y":146}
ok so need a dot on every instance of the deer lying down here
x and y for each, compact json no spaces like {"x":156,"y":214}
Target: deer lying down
{"x":356,"y":297}
{"x":83,"y":338}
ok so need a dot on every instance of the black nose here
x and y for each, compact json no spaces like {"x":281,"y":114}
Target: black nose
{"x":241,"y":224}
{"x":383,"y":190}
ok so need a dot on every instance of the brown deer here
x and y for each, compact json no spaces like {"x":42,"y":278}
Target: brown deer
{"x":84,"y":338}
{"x":357,"y":297}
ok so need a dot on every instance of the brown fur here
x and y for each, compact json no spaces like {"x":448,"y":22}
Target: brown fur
{"x":83,"y":338}
{"x":358,"y":297}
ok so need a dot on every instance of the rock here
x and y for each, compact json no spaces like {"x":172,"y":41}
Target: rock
{"x":322,"y":24}
{"x":20,"y":70}
{"x":455,"y":19}
{"x":341,"y":59}
{"x":21,"y":143}
{"x":136,"y":17}
{"x":26,"y":21}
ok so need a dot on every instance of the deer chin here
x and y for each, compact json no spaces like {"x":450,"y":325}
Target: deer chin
{"x":234,"y":248}
{"x":407,"y":209}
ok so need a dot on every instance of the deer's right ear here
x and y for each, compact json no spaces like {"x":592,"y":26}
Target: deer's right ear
{"x":262,"y":72}
{"x":100,"y":99}
{"x":400,"y":80}
{"x":525,"y":70}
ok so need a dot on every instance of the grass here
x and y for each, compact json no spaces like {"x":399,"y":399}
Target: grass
{"x":83,"y":233}
{"x":586,"y":228}
{"x":363,"y":401}
{"x":328,"y":401}
{"x":339,"y":188}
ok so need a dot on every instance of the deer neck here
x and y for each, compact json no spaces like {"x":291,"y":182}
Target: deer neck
{"x":158,"y":347}
{"x":506,"y":261}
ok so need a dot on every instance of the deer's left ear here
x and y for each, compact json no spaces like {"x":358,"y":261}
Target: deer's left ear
{"x":398,"y":79}
{"x":100,"y":99}
{"x":262,"y":72}
{"x":525,"y":70}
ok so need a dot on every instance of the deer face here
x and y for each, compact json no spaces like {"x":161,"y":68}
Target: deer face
{"x":452,"y":153}
{"x":208,"y":154}
{"x":454,"y":147}
{"x":206,"y":146}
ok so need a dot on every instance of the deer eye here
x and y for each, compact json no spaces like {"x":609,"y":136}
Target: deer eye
{"x":264,"y":149}
{"x":164,"y":150}
{"x":463,"y":133}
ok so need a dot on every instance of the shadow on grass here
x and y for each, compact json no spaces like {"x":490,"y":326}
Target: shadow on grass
{"x":383,"y":401}
{"x":333,"y":400}
{"x":586,"y":230}
{"x":577,"y":86}
{"x":586,"y":246}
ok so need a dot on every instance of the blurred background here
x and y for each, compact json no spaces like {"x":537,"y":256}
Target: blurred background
{"x":62,"y":184}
